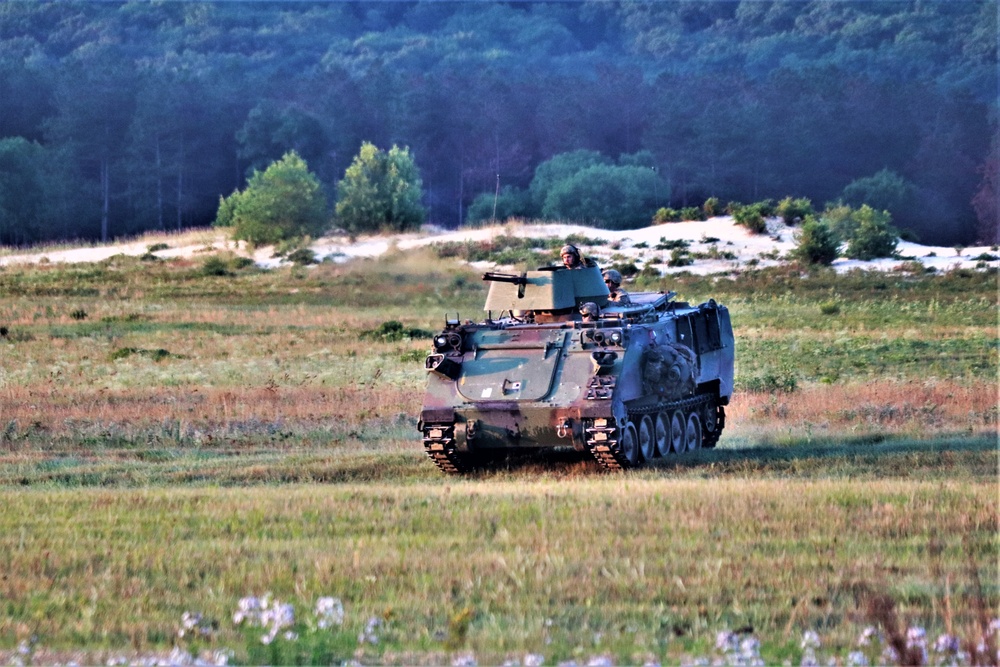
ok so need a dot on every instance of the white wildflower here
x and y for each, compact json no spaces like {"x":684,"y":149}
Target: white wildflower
{"x":857,"y":659}
{"x":946,"y":644}
{"x":916,"y":638}
{"x":368,"y":635}
{"x":600,"y":661}
{"x":329,"y":612}
{"x":868,"y":635}
{"x":534,"y":660}
{"x":726,"y":641}
{"x":464,"y":660}
{"x":810,"y":639}
{"x":889,"y":656}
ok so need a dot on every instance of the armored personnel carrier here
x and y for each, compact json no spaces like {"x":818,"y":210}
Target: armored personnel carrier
{"x":556,"y":364}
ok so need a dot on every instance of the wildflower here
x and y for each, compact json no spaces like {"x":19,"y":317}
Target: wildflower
{"x":368,"y":635}
{"x":726,"y":641}
{"x":600,"y":661}
{"x":810,"y":639}
{"x":916,"y":638}
{"x":868,"y":635}
{"x":857,"y":659}
{"x":463,"y":660}
{"x":889,"y":656}
{"x":329,"y":612}
{"x":534,"y":660}
{"x":946,"y":644}
{"x":194,"y":624}
{"x":248,"y":608}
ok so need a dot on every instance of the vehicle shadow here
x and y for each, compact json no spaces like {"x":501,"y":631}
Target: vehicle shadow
{"x":875,"y":455}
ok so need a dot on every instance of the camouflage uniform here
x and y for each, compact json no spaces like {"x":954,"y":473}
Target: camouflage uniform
{"x":613,"y":279}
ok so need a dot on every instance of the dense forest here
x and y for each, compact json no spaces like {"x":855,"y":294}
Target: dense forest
{"x":119,"y":117}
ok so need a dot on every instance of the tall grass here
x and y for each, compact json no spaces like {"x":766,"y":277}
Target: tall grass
{"x":172,"y":442}
{"x":632,"y":566}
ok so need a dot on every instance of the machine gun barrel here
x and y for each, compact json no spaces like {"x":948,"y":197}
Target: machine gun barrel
{"x":506,"y":278}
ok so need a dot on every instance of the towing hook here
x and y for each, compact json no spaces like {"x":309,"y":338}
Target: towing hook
{"x":562,"y":429}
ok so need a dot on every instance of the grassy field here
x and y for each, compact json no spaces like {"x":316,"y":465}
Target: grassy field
{"x":175,"y":437}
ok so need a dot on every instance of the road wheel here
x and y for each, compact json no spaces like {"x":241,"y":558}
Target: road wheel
{"x":647,"y":438}
{"x":693,"y":434}
{"x":630,"y":445}
{"x":678,"y":443}
{"x":661,"y":430}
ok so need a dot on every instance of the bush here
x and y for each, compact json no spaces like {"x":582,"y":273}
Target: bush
{"x":380,"y":191}
{"x":883,"y":191}
{"x":302,"y":257}
{"x":664,"y":215}
{"x":613,"y":197}
{"x":874,"y":237}
{"x":816,"y":243}
{"x":394,"y":331}
{"x":711,"y":207}
{"x":285,"y":201}
{"x":691,"y":213}
{"x":215,"y":266}
{"x":793,"y":210}
{"x":679,"y":257}
{"x":559,"y":168}
{"x":510,"y":203}
{"x":751,"y":217}
{"x":671,"y":244}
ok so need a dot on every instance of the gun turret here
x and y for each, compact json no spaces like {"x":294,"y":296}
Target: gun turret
{"x":520,"y":280}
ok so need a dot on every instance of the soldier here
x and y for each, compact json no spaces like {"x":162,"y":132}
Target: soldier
{"x":571,"y":257}
{"x":613,"y":279}
{"x":590,"y":312}
{"x":572,"y":260}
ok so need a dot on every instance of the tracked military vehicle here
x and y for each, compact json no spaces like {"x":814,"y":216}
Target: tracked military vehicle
{"x":624,"y":382}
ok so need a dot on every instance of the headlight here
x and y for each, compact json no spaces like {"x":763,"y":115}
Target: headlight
{"x":616,"y":337}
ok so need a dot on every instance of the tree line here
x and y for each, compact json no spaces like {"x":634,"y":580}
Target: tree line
{"x":121,"y":117}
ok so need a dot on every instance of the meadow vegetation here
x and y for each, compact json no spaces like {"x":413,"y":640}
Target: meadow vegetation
{"x":173,"y":440}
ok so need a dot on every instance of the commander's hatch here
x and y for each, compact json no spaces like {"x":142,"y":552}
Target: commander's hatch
{"x":512,"y":365}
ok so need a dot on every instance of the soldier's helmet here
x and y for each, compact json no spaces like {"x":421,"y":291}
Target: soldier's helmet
{"x":570,"y":249}
{"x":612,"y":277}
{"x":590,"y":310}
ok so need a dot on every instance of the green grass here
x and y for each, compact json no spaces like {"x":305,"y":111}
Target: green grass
{"x":171,"y":442}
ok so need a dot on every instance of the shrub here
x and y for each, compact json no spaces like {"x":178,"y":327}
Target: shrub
{"x":691,"y":213}
{"x":679,"y":257}
{"x":510,"y":203}
{"x":627,"y":269}
{"x":614,"y":197}
{"x":711,"y":207}
{"x":829,"y":308}
{"x":665,"y":244}
{"x":78,"y":314}
{"x":816,"y":242}
{"x":664,"y":215}
{"x":558,"y":168}
{"x":874,"y":237}
{"x":285,"y":201}
{"x":885,"y":190}
{"x":782,"y":380}
{"x":302,"y":257}
{"x":751,"y":217}
{"x":215,"y":266}
{"x":393,"y":331}
{"x":793,"y":210}
{"x":381,"y":191}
